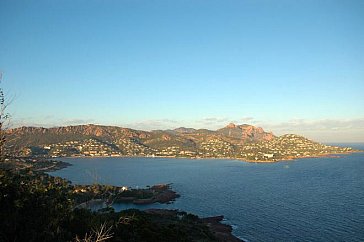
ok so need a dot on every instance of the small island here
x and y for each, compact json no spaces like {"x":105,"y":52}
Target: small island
{"x":85,"y":195}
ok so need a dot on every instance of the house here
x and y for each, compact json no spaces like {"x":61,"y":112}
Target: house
{"x":268,"y":156}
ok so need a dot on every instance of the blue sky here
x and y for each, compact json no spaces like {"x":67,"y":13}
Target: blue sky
{"x":288,"y":66}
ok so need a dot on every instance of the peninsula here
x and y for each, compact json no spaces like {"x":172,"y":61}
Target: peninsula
{"x":52,"y":205}
{"x":245,"y":142}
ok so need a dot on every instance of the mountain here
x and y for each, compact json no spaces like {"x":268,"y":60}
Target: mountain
{"x":182,"y":130}
{"x":28,"y":136}
{"x":233,"y":141}
{"x":245,"y":133}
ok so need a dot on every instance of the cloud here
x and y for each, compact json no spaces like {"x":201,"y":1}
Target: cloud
{"x":323,"y":124}
{"x":219,"y":120}
{"x":324,"y":130}
{"x":49,"y":117}
{"x":47,"y":121}
{"x":212,"y":120}
{"x":28,"y":121}
{"x":154,"y":124}
{"x":248,"y":120}
{"x":77,"y":121}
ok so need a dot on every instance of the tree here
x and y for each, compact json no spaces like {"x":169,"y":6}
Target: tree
{"x":4,"y":118}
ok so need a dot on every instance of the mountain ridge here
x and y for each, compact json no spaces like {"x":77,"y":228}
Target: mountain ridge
{"x":232,"y":141}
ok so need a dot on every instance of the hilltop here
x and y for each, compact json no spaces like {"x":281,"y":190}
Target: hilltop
{"x":245,"y":142}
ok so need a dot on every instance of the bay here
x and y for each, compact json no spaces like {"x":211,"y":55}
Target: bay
{"x":313,"y":199}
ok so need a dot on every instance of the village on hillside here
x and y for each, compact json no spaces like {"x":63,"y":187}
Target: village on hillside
{"x":279,"y":148}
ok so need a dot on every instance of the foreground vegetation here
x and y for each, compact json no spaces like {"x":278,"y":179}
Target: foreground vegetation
{"x":39,"y":207}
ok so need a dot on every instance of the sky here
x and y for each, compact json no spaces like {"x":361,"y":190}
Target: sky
{"x":289,"y":66}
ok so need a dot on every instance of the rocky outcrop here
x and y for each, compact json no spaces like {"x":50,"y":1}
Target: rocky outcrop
{"x":223,"y":232}
{"x":245,"y":133}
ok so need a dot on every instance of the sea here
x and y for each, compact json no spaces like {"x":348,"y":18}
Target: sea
{"x":313,"y":199}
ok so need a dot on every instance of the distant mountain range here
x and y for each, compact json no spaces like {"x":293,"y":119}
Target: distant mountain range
{"x":232,"y":141}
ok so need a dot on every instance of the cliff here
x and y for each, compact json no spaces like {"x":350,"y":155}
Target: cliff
{"x":245,"y":133}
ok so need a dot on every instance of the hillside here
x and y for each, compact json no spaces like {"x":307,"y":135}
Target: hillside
{"x":39,"y":207}
{"x":233,"y":141}
{"x":245,"y":133}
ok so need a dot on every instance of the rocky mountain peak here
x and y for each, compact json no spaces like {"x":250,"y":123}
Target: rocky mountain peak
{"x":245,"y":133}
{"x":231,"y":126}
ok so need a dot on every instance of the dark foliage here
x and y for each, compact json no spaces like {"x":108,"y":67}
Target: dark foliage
{"x":38,"y":207}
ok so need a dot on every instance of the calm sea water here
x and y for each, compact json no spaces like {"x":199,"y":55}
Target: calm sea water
{"x":319,"y":199}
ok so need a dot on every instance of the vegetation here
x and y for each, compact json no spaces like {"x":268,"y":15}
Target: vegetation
{"x":114,"y":194}
{"x":4,"y":117}
{"x":39,"y":207}
{"x":34,"y":208}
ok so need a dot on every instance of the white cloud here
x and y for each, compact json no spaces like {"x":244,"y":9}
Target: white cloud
{"x":323,"y":124}
{"x":213,"y":120}
{"x":78,"y":121}
{"x":48,"y":121}
{"x":324,"y":130}
{"x":154,"y":124}
{"x":248,"y":120}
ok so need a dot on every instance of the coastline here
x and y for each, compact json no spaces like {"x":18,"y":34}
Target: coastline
{"x":288,"y":158}
{"x":222,"y":232}
{"x":291,"y":158}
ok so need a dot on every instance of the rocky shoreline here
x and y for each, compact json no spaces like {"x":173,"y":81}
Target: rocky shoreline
{"x":86,"y":195}
{"x":37,"y":164}
{"x":222,"y":232}
{"x":126,"y":225}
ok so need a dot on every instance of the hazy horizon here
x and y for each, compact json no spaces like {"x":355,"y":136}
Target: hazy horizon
{"x":285,"y":66}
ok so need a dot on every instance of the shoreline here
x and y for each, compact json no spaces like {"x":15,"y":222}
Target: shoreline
{"x":223,"y":232}
{"x":107,"y":195}
{"x":289,"y":158}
